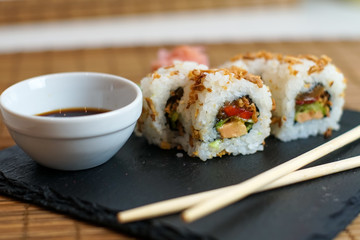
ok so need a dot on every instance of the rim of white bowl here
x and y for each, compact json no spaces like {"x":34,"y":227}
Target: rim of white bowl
{"x":134,"y":102}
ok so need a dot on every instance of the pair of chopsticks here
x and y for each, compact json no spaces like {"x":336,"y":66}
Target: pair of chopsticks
{"x":199,"y":205}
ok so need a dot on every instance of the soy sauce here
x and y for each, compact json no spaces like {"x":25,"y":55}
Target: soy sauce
{"x":73,"y":112}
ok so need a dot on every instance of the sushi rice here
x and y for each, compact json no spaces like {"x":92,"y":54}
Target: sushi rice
{"x":205,"y":95}
{"x":156,"y":89}
{"x":289,"y":76}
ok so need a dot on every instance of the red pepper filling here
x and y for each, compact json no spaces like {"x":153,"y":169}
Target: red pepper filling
{"x":233,"y":110}
{"x":314,"y":104}
{"x":318,"y":93}
{"x":306,"y":100}
{"x":242,"y":107}
{"x":236,"y":118}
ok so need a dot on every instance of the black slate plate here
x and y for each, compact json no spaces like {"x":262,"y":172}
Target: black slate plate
{"x":140,"y":174}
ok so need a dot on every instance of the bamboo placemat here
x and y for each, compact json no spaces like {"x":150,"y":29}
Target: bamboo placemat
{"x":19,"y":11}
{"x":19,"y":220}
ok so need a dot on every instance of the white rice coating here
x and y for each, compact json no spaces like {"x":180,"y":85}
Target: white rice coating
{"x":201,"y":116}
{"x":156,"y":90}
{"x":286,"y":79}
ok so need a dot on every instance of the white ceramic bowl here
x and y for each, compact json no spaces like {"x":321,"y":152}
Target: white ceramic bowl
{"x":72,"y":143}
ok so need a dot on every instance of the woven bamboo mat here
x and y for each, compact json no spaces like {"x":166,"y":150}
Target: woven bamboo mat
{"x":19,"y":11}
{"x":20,"y":220}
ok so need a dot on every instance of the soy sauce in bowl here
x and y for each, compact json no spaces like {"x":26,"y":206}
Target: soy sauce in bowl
{"x":71,"y":143}
{"x":73,"y":112}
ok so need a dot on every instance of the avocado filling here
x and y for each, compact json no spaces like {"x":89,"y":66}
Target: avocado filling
{"x":171,"y":114}
{"x":236,"y":118}
{"x":314,"y":104}
{"x":215,"y":144}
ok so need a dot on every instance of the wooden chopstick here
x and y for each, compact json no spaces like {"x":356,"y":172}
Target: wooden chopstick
{"x":252,"y":185}
{"x":178,"y":204}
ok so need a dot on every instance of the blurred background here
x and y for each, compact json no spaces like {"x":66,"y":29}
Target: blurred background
{"x":28,"y":25}
{"x":122,"y":37}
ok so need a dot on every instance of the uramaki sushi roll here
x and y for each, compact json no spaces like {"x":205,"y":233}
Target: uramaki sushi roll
{"x":162,"y":91}
{"x":308,"y":91}
{"x":224,"y":112}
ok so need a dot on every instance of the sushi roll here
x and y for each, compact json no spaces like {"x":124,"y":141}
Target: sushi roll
{"x":224,"y":112}
{"x":308,"y":91}
{"x":162,"y":91}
